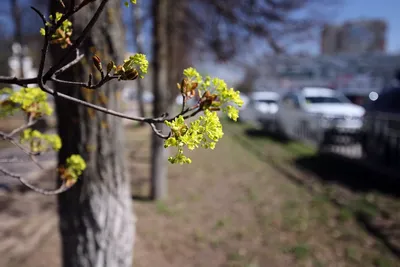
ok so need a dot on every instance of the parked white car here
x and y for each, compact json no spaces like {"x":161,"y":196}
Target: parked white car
{"x":260,"y":109}
{"x":318,"y":114}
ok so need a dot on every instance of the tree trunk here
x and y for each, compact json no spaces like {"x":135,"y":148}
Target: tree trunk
{"x":179,"y":46}
{"x":138,"y":37}
{"x":16,"y":11}
{"x":159,"y":186}
{"x":97,"y":225}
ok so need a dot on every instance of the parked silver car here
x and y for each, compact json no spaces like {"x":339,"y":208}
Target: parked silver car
{"x":260,"y":109}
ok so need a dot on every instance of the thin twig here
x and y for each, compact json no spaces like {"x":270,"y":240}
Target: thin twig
{"x":14,"y":160}
{"x":30,"y":123}
{"x":18,"y":81}
{"x":87,"y":85}
{"x":57,"y":191}
{"x":158,"y":132}
{"x":183,"y":102}
{"x":72,"y":63}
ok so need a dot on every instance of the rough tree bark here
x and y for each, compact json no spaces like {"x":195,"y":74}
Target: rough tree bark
{"x":97,"y":225}
{"x":138,"y":37}
{"x":159,"y":182}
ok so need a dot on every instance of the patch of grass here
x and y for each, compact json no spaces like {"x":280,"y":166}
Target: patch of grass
{"x":215,"y":242}
{"x":236,"y":256}
{"x":251,"y":194}
{"x":239,"y":235}
{"x":352,"y":254}
{"x":295,"y":216}
{"x":317,"y":263}
{"x":198,"y":236}
{"x":383,"y":262}
{"x":345,"y":215}
{"x":365,"y":207}
{"x":319,"y":206}
{"x":299,"y":149}
{"x":163,"y":208}
{"x":300,"y":251}
{"x":221,"y":223}
{"x":319,"y":200}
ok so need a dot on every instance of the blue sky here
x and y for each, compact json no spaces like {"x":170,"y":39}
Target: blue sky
{"x":384,"y":9}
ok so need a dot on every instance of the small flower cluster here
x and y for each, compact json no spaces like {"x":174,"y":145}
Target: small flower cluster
{"x":132,"y":68}
{"x":74,"y":167}
{"x":206,"y":130}
{"x":62,"y":34}
{"x":40,"y":142}
{"x":126,"y":3}
{"x":31,"y":100}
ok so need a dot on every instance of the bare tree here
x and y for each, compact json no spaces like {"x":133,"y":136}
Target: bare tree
{"x":276,"y":23}
{"x":170,"y":55}
{"x":159,"y":186}
{"x":138,"y":19}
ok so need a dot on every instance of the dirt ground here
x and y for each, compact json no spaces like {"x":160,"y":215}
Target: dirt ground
{"x":230,"y":207}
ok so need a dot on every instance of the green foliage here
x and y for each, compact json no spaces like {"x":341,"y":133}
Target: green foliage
{"x":138,"y":62}
{"x":135,"y":66}
{"x":40,"y":142}
{"x":31,"y":100}
{"x":74,"y":167}
{"x":126,"y":3}
{"x":206,"y":130}
{"x":62,"y":34}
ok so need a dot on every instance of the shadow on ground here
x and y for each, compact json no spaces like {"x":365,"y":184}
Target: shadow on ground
{"x":330,"y":168}
{"x":259,"y":133}
{"x":346,"y":175}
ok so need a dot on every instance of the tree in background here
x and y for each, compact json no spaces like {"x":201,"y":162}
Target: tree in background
{"x":18,"y":38}
{"x":138,"y":36}
{"x":160,"y":65}
{"x":171,"y":54}
{"x":246,"y":85}
{"x":270,"y":25}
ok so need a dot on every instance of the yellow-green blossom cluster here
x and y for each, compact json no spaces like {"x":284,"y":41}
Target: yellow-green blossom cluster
{"x":126,"y":3}
{"x":206,"y":130}
{"x":203,"y":132}
{"x":137,"y":61}
{"x":40,"y":142}
{"x":74,"y":167}
{"x":30,"y":100}
{"x":62,"y":34}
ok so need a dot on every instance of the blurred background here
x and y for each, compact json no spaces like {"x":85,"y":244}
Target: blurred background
{"x":309,"y":176}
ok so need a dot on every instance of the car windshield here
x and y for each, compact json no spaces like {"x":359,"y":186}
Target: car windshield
{"x":324,"y":99}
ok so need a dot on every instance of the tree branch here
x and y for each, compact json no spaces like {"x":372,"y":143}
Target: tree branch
{"x":57,"y":191}
{"x":78,"y":41}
